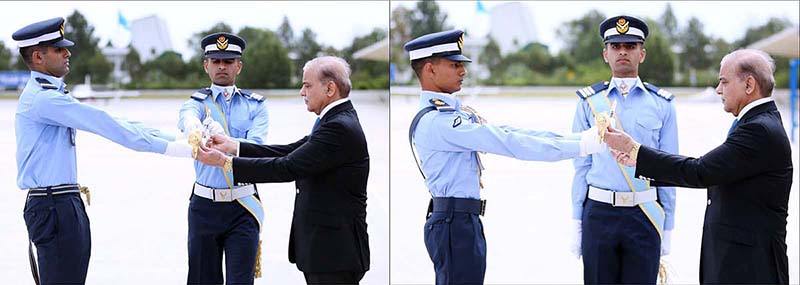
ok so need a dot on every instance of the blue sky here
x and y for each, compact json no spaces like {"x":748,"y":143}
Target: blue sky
{"x":726,"y":19}
{"x":331,"y":21}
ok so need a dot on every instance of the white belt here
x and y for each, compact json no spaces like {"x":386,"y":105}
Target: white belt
{"x":224,"y":195}
{"x":622,"y":199}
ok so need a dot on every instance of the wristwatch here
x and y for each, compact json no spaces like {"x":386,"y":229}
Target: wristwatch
{"x":228,"y":165}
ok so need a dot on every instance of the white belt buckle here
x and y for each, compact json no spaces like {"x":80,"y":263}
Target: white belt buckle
{"x":623,"y":199}
{"x":222,"y":195}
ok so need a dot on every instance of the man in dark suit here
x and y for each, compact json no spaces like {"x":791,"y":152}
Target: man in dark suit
{"x":328,"y":239}
{"x":748,"y":177}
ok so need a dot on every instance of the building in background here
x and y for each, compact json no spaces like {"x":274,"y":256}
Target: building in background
{"x":512,"y":26}
{"x":150,"y":37}
{"x":116,"y":55}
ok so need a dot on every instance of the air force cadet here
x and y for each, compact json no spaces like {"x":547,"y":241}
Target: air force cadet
{"x":449,"y":137}
{"x":620,"y":221}
{"x":328,"y":239}
{"x":223,"y":217}
{"x":749,"y":177}
{"x":46,"y":122}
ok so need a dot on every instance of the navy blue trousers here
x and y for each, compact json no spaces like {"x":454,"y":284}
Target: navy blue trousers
{"x":619,"y":245}
{"x":59,"y":228}
{"x":324,"y":278}
{"x":457,"y":247}
{"x":216,"y":228}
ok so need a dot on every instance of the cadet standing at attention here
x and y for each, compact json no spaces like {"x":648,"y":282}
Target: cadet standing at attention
{"x":223,"y":217}
{"x":622,"y":225}
{"x":45,"y":123}
{"x":448,"y":137}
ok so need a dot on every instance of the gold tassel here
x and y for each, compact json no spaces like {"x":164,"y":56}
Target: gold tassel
{"x":85,"y":191}
{"x":194,"y":139}
{"x":258,"y":261}
{"x":662,"y":274}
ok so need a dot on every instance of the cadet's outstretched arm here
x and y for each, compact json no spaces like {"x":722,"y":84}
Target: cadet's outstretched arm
{"x":58,"y":109}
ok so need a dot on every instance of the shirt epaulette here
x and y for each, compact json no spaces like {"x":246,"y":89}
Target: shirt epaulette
{"x":660,"y":92}
{"x":251,"y":95}
{"x":45,"y":83}
{"x":441,"y":106}
{"x":587,"y":91}
{"x":200,"y":95}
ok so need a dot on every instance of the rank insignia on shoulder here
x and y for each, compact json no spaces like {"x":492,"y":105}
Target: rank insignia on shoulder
{"x":441,"y":105}
{"x":660,"y":92}
{"x":257,"y":97}
{"x":45,"y":84}
{"x":588,"y":91}
{"x":201,"y":94}
{"x":457,"y":121}
{"x":251,"y":95}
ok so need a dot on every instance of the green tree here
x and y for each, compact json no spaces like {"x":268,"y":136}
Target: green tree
{"x":307,"y":49}
{"x":719,"y":48}
{"x":695,"y":46}
{"x":659,"y":64}
{"x":535,"y":55}
{"x":167,"y":67}
{"x":266,"y":62}
{"x":754,"y":34}
{"x":582,"y":39}
{"x":286,"y":33}
{"x":399,"y":34}
{"x":100,"y":68}
{"x":5,"y":57}
{"x":493,"y":60}
{"x":81,"y":32}
{"x":367,"y":74}
{"x":426,"y":19}
{"x":332,"y":51}
{"x":132,"y":64}
{"x":19,"y":64}
{"x":669,"y":24}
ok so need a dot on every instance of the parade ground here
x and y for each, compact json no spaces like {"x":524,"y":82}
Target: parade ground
{"x":140,"y":200}
{"x":528,"y":214}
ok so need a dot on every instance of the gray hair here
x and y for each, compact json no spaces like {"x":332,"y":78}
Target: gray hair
{"x":331,"y":68}
{"x":755,"y":63}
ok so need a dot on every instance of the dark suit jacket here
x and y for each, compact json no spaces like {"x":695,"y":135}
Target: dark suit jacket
{"x":748,"y":179}
{"x":329,"y":227}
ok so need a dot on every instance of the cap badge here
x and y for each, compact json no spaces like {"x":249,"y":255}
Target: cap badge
{"x":461,"y":41}
{"x":222,"y":43}
{"x":622,"y":25}
{"x":62,"y":29}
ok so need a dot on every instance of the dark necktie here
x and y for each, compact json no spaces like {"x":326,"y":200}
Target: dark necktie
{"x":316,"y":124}
{"x":733,"y":126}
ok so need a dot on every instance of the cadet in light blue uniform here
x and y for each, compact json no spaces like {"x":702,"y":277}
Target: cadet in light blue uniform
{"x":619,"y":233}
{"x":45,"y":123}
{"x":448,"y":137}
{"x":218,"y":221}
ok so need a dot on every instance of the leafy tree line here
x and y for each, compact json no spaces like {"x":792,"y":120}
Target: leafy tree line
{"x":677,"y":54}
{"x":272,"y":59}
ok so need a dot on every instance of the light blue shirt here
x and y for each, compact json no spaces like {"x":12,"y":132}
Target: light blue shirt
{"x":247,"y":120}
{"x":45,"y":123}
{"x":447,"y":143}
{"x":650,"y":120}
